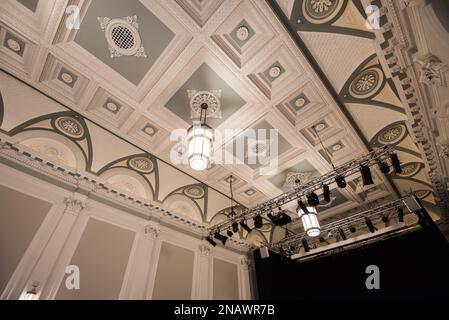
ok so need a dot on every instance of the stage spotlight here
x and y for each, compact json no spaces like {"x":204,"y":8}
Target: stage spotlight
{"x":271,"y":217}
{"x":400,"y":213}
{"x":326,"y":193}
{"x":312,"y":199}
{"x":384,"y":167}
{"x":221,"y":237}
{"x":341,"y":182}
{"x":386,"y":220}
{"x":281,"y":218}
{"x":229,"y":233}
{"x":235,"y":227}
{"x":245,"y":226}
{"x":302,"y":206}
{"x":258,"y":222}
{"x":352,"y":229}
{"x":211,"y":241}
{"x":305,"y":244}
{"x":370,"y":225}
{"x":292,"y":248}
{"x":342,"y":233}
{"x":366,"y":175}
{"x":396,"y":163}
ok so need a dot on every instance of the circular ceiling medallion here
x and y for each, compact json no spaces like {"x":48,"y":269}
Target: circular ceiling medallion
{"x":422,"y":193}
{"x":70,"y":127}
{"x":141,"y":164}
{"x":409,"y":169}
{"x":392,"y":134}
{"x":195,"y":192}
{"x":274,"y":72}
{"x":321,"y":11}
{"x":149,"y":130}
{"x":111,"y":106}
{"x":13,"y":45}
{"x":366,"y":83}
{"x":294,"y":179}
{"x":67,"y":78}
{"x":336,"y":147}
{"x":123,"y":37}
{"x":300,"y":102}
{"x":242,"y":33}
{"x":320,"y":127}
{"x":213,"y":103}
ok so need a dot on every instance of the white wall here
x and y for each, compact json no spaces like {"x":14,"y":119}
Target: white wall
{"x":77,"y":229}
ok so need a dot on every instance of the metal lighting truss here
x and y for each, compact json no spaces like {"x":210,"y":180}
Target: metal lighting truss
{"x":347,"y":169}
{"x":408,"y":204}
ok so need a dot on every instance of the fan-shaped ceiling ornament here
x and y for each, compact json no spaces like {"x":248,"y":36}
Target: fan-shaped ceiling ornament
{"x":141,"y":164}
{"x":69,"y":126}
{"x":366,"y":84}
{"x":410,"y":169}
{"x":321,"y":11}
{"x":195,"y":192}
{"x":392,"y":134}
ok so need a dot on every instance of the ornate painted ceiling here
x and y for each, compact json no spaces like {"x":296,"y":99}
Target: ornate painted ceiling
{"x":104,"y":83}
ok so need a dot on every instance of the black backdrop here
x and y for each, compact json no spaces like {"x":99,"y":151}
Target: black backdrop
{"x":412,"y":266}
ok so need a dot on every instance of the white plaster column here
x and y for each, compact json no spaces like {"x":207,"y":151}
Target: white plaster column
{"x":203,"y":273}
{"x":152,"y":232}
{"x":244,"y":278}
{"x":74,"y":204}
{"x":144,"y":263}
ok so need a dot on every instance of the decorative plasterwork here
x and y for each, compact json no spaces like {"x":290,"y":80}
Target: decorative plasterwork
{"x":152,"y":231}
{"x":122,"y":36}
{"x":294,"y":179}
{"x":211,"y":98}
{"x":75,"y":204}
{"x":432,"y":71}
{"x":205,"y":250}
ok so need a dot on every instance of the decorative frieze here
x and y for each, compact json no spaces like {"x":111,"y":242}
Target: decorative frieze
{"x":432,"y":71}
{"x":152,"y":231}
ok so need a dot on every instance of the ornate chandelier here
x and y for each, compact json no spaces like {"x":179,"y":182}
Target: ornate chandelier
{"x":200,"y":137}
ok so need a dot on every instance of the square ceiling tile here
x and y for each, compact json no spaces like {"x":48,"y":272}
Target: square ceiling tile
{"x":154,"y":35}
{"x":205,"y":79}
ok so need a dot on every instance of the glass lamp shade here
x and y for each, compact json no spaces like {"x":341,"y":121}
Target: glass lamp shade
{"x":200,"y":139}
{"x":310,"y":221}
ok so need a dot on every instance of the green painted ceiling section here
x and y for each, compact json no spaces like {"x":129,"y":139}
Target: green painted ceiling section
{"x":154,"y":34}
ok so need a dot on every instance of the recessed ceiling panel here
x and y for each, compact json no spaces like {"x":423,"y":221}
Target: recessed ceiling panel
{"x":154,"y":36}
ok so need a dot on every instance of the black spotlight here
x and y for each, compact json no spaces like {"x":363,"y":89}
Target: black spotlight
{"x":352,"y":229}
{"x":235,"y":227}
{"x":258,"y":222}
{"x":305,"y":244}
{"x":221,"y":237}
{"x":366,"y":175}
{"x":341,"y":182}
{"x":342,"y":233}
{"x":271,"y":217}
{"x":211,"y":241}
{"x":396,"y":163}
{"x":292,"y":248}
{"x":386,"y":220}
{"x":370,"y":225}
{"x":384,"y":167}
{"x":326,"y":193}
{"x":312,"y":199}
{"x":245,"y":226}
{"x":229,"y":233}
{"x":302,"y":206}
{"x":400,"y":215}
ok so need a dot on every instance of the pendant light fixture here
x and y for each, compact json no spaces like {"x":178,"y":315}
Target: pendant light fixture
{"x":200,"y":137}
{"x":309,"y":220}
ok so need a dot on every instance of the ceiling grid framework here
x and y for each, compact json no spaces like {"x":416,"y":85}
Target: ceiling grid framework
{"x":263,"y":66}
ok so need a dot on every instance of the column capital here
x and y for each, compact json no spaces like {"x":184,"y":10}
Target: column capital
{"x":245,"y":262}
{"x":205,"y":250}
{"x":75,"y":203}
{"x":152,"y":231}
